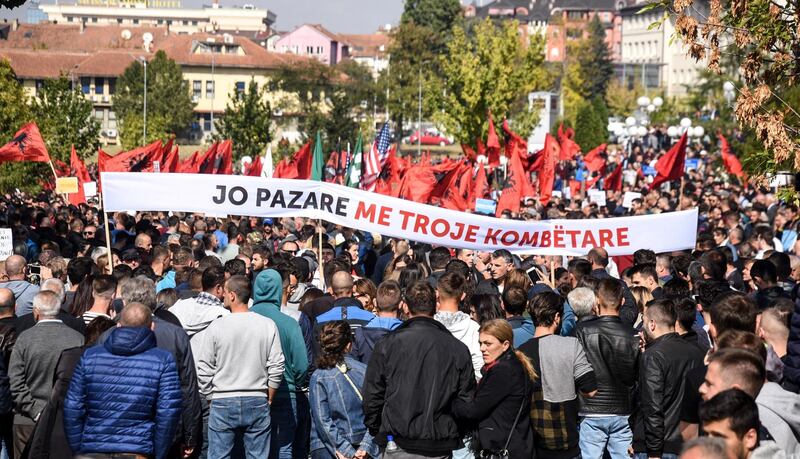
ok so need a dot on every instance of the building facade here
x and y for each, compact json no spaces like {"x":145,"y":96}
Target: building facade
{"x":568,"y":23}
{"x":313,"y":40}
{"x":215,"y":67}
{"x":163,"y":13}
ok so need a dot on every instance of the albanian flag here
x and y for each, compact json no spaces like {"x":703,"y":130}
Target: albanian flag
{"x":27,"y":145}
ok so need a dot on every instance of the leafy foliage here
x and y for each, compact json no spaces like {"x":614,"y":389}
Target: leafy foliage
{"x":439,"y":15}
{"x":490,"y":71}
{"x":65,"y":118}
{"x":169,"y":101}
{"x":247,"y":122}
{"x":595,"y":62}
{"x":590,"y":126}
{"x":15,"y":110}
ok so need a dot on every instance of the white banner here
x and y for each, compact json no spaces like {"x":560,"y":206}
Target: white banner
{"x":362,"y":210}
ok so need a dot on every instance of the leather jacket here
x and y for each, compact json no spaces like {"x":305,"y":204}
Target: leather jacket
{"x":613,"y":350}
{"x":662,"y":384}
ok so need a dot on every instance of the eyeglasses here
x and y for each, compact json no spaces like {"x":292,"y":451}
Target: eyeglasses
{"x":289,"y":252}
{"x":88,"y":233}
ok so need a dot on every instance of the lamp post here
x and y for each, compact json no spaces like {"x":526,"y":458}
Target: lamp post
{"x":144,"y":105}
{"x":213,"y":81}
{"x":419,"y":116}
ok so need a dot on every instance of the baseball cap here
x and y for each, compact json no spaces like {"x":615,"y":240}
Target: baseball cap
{"x":267,"y":221}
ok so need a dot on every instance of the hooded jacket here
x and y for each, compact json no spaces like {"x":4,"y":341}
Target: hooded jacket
{"x":23,"y":294}
{"x":464,"y":329}
{"x":267,"y":292}
{"x":196,"y":314}
{"x":124,"y":397}
{"x":779,"y":413}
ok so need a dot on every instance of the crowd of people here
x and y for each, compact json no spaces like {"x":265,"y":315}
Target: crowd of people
{"x":293,"y":338}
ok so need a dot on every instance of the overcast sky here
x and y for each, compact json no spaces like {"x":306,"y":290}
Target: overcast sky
{"x":343,"y":16}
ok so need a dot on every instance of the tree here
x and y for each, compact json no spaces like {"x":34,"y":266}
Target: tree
{"x":595,"y":62}
{"x":247,"y":122}
{"x":439,"y":16}
{"x":169,"y":101}
{"x":14,"y":114}
{"x":768,"y":34}
{"x":590,"y":128}
{"x":491,"y":71}
{"x":65,"y":118}
{"x":621,"y":98}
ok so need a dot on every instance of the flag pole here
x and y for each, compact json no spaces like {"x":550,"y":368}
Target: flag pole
{"x":680,"y":195}
{"x":108,"y":241}
{"x":319,"y":254}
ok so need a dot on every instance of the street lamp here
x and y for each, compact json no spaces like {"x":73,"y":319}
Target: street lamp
{"x":143,"y":60}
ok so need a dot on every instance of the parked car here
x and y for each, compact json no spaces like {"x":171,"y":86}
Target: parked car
{"x":429,"y":138}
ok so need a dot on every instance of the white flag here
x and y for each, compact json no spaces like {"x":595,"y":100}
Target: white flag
{"x":267,"y":168}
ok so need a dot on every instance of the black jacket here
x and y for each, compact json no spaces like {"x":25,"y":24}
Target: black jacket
{"x":413,"y":377}
{"x":662,"y":383}
{"x":503,"y":397}
{"x":613,"y":350}
{"x":628,"y":312}
{"x":364,"y":342}
{"x":27,"y":321}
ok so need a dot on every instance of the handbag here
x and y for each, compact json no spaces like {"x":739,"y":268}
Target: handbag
{"x":503,"y":453}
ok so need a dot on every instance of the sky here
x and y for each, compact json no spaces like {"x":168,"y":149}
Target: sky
{"x":341,"y":16}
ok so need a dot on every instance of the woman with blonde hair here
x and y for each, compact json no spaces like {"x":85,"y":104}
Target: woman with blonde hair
{"x":518,"y":278}
{"x":502,"y":402}
{"x":642,"y":295}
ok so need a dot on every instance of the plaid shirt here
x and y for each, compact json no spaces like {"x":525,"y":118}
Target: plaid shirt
{"x":549,"y":422}
{"x":207,"y":299}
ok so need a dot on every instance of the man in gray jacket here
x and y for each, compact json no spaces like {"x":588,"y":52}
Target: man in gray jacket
{"x":23,"y":290}
{"x":33,"y":363}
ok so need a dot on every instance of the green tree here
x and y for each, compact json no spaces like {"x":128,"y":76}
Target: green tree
{"x":439,"y":16}
{"x":595,"y":60}
{"x":247,"y":122}
{"x":413,"y":60}
{"x":65,"y":118}
{"x":169,"y":101}
{"x":490,"y":71}
{"x":621,"y":99}
{"x":14,"y":114}
{"x":590,"y":128}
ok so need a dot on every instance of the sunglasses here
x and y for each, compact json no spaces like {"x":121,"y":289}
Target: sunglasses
{"x":88,"y":233}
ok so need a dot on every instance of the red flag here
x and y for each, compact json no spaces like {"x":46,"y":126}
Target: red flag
{"x":190,"y":164}
{"x":480,"y":188}
{"x":171,"y":160}
{"x":303,"y":159}
{"x":388,"y":182}
{"x":547,"y":174}
{"x":517,"y":183}
{"x":493,"y":143}
{"x":285,"y":169}
{"x":102,"y":157}
{"x":27,"y":145}
{"x":594,"y":161}
{"x":165,"y":151}
{"x":469,"y":153}
{"x":137,"y":160}
{"x":591,"y":182}
{"x":417,"y":184}
{"x":731,"y":162}
{"x":614,"y":180}
{"x":481,"y":147}
{"x":78,"y":167}
{"x":447,"y":191}
{"x":671,"y":165}
{"x":568,"y":146}
{"x":254,"y":168}
{"x":218,"y":159}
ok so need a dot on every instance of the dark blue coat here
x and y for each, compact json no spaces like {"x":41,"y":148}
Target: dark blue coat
{"x":125,"y":397}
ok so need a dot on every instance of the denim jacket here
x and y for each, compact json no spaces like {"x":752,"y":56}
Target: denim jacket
{"x":337,"y":419}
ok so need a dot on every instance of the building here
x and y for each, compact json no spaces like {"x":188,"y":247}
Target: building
{"x":647,"y":56}
{"x":569,"y":21}
{"x":315,"y":41}
{"x":532,"y":15}
{"x":215,"y":67}
{"x":34,"y":13}
{"x":168,"y":14}
{"x":370,"y":50}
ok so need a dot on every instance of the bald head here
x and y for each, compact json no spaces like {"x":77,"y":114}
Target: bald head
{"x":342,"y":284}
{"x":7,"y":301}
{"x":15,"y":267}
{"x":598,"y":257}
{"x":135,"y":315}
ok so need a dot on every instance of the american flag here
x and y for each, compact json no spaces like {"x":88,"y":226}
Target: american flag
{"x":376,"y":159}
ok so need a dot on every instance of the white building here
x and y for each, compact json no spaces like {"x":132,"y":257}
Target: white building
{"x":648,"y":56}
{"x":163,"y":13}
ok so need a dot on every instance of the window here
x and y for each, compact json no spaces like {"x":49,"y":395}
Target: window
{"x":112,"y":85}
{"x":169,"y":21}
{"x":112,"y":119}
{"x":209,"y":89}
{"x":98,"y":114}
{"x":309,"y":50}
{"x":135,"y":21}
{"x":119,"y":20}
{"x":240,"y":88}
{"x":207,"y":122}
{"x":94,"y":20}
{"x":194,"y":23}
{"x":39,"y":85}
{"x":185,"y":22}
{"x":99,"y":84}
{"x":85,"y":84}
{"x":196,"y":89}
{"x":160,"y":21}
{"x":320,"y":49}
{"x":70,"y":19}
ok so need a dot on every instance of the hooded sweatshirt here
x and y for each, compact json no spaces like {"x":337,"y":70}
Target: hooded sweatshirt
{"x":464,"y":329}
{"x":195,"y":315}
{"x":23,"y":294}
{"x":267,"y":292}
{"x":779,"y":413}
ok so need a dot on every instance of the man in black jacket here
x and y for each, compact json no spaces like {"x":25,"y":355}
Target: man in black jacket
{"x":662,"y":370}
{"x":613,"y":350}
{"x":418,"y":416}
{"x":598,"y":257}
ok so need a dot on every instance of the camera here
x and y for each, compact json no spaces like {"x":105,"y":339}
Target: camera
{"x":34,"y":274}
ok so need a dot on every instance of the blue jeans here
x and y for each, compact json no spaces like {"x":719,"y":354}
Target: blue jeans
{"x":291,"y":427}
{"x":247,"y":417}
{"x":599,"y":433}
